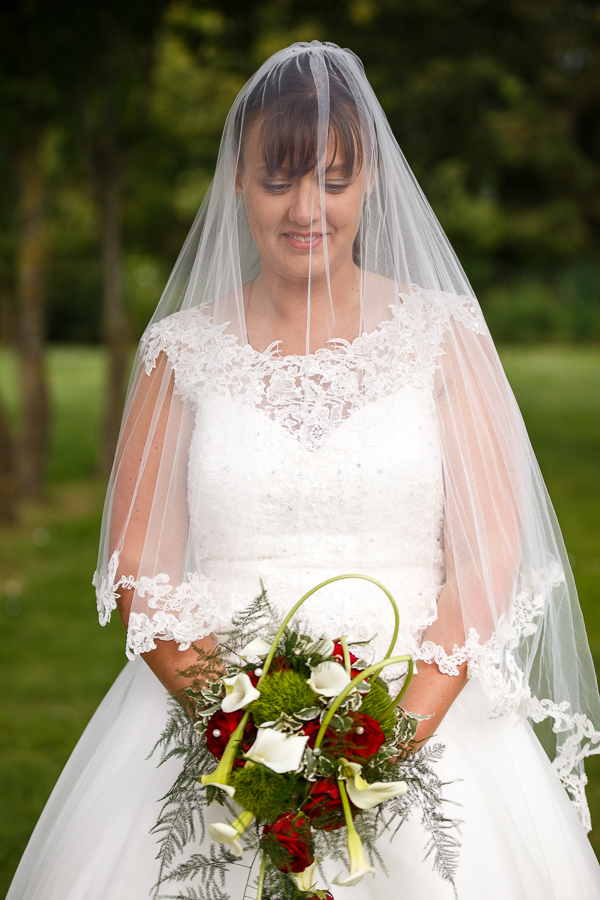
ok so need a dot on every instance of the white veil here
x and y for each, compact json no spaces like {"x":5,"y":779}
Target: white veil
{"x":508,"y":602}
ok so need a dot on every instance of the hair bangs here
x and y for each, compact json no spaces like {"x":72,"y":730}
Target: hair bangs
{"x":286,"y":107}
{"x":289,"y":140}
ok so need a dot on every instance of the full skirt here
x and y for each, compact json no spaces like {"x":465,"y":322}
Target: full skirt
{"x":520,"y":838}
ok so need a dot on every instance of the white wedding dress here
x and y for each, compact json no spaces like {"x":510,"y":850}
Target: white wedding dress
{"x":370,"y":505}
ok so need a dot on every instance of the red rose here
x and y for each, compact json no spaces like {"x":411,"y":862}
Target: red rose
{"x":311,"y":729}
{"x":338,"y":654}
{"x":363,"y":740}
{"x":279,"y":664}
{"x":220,"y":728}
{"x":324,"y":805}
{"x":249,"y":736}
{"x":330,"y":739}
{"x":288,"y":842}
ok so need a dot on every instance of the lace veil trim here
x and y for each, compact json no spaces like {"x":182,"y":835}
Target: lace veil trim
{"x":184,"y":613}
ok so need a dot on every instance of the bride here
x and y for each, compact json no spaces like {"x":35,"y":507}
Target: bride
{"x":318,"y":394}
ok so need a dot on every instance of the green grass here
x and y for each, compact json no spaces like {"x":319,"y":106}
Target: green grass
{"x":559,"y":394}
{"x":558,"y":390}
{"x":76,"y":378}
{"x":56,"y":663}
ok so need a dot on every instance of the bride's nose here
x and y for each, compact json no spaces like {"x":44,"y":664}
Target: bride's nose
{"x":305,"y":203}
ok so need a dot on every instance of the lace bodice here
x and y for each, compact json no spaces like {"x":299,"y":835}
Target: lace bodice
{"x":311,"y":395}
{"x":302,"y":467}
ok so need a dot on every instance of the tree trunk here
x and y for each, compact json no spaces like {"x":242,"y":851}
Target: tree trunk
{"x":32,"y":270}
{"x":7,"y":324}
{"x":8,"y":473}
{"x":108,"y":184}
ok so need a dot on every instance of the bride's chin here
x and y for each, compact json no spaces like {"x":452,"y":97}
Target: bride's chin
{"x":302,"y":269}
{"x":315,"y":267}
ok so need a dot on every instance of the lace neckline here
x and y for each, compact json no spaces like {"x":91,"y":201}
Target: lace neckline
{"x":333,"y":344}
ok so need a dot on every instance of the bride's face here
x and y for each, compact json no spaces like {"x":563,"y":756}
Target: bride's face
{"x":300,"y":231}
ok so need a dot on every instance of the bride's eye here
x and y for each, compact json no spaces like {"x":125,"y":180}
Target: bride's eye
{"x":336,"y":187}
{"x":276,"y":187}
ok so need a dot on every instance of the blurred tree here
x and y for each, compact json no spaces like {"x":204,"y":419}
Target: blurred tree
{"x":495,"y":103}
{"x":8,"y":474}
{"x":32,"y":273}
{"x":29,"y":100}
{"x":113,"y":102}
{"x":57,"y":57}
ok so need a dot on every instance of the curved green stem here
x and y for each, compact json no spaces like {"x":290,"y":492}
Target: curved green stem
{"x":397,"y":699}
{"x":345,"y":804}
{"x":261,"y":876}
{"x":312,"y":591}
{"x":370,"y":670}
{"x":347,"y":664}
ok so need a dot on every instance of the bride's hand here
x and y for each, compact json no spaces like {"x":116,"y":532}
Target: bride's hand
{"x":431,"y":693}
{"x":178,"y":670}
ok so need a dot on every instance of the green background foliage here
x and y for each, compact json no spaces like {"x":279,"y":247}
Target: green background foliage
{"x":496,"y":106}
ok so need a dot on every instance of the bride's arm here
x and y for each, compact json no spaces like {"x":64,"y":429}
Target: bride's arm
{"x":482,"y":528}
{"x":432,"y":692}
{"x":144,"y":446}
{"x":167,"y":662}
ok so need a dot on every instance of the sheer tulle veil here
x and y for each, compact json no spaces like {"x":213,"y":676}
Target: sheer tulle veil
{"x":509,"y":604}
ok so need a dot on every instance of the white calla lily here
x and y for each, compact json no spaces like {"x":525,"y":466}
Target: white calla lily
{"x":359,"y":866}
{"x":258,"y":647}
{"x":365,"y":795}
{"x":224,"y":787}
{"x":223,"y":833}
{"x":242,"y":693}
{"x":323,"y":647}
{"x":328,"y":679}
{"x":226,"y":834}
{"x":280,"y":752}
{"x":306,"y":880}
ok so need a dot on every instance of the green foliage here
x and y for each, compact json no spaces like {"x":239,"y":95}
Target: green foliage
{"x":499,"y":123}
{"x":258,"y":620}
{"x":180,"y":819}
{"x":76,"y":382}
{"x":283,"y":692}
{"x":550,"y":306}
{"x":208,"y":668}
{"x":375,"y":703}
{"x":56,"y":664}
{"x":208,"y":872}
{"x":426,"y":792}
{"x":264,"y":792}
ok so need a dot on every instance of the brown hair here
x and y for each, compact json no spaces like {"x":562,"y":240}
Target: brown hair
{"x":285,"y":103}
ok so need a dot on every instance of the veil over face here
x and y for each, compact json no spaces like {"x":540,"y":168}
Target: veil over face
{"x":316,"y":286}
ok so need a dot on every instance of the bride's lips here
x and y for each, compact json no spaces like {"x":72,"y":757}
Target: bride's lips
{"x":299,"y":241}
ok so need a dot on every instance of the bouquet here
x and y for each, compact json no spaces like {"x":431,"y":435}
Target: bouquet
{"x":303,"y":744}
